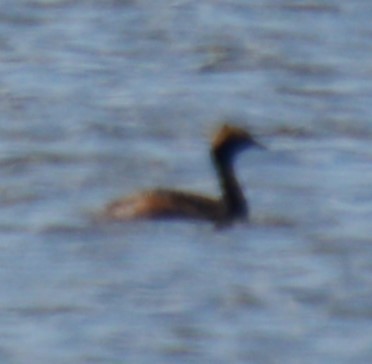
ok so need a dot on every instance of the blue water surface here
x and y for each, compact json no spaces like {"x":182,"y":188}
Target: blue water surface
{"x":102,"y":98}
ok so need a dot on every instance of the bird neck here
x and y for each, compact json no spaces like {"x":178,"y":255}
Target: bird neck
{"x":232,"y":194}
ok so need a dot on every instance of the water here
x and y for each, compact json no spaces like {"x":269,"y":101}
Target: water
{"x":100,"y":99}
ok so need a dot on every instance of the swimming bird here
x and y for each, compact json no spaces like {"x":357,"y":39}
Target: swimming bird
{"x":227,"y":142}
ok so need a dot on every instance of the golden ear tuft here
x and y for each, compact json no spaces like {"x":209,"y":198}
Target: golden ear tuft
{"x":229,"y":133}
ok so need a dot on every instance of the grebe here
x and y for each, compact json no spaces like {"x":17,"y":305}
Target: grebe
{"x":160,"y":203}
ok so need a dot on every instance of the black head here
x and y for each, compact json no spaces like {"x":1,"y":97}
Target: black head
{"x":230,"y":140}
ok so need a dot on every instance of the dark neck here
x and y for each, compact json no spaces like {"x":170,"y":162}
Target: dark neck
{"x":232,"y":195}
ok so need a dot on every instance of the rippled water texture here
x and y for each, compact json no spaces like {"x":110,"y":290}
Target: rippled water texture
{"x":102,"y":98}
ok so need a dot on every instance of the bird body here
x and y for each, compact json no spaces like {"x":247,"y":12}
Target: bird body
{"x":161,"y":203}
